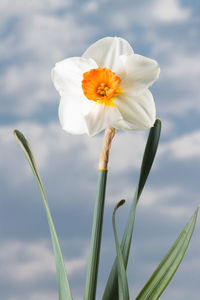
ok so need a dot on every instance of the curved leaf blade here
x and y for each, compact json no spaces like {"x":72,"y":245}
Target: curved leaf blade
{"x":122,"y":278}
{"x":63,"y":284}
{"x":170,"y":263}
{"x":111,"y":289}
{"x":149,"y":155}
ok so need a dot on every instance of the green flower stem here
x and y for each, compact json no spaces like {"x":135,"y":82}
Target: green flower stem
{"x":111,"y":290}
{"x":95,"y":244}
{"x":93,"y":263}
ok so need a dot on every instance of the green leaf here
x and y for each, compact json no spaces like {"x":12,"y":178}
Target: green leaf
{"x":168,"y":266}
{"x":111,"y":290}
{"x":63,"y":285}
{"x":95,"y":244}
{"x":122,"y":278}
{"x":149,"y":155}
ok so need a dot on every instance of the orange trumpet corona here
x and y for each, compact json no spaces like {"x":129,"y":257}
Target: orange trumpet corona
{"x":101,"y":85}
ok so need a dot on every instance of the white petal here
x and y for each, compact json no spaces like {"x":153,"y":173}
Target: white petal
{"x":139,"y":111}
{"x":71,"y":114}
{"x":141,"y":72}
{"x":67,"y":77}
{"x":125,"y":125}
{"x":107,"y":50}
{"x":120,"y":66}
{"x":100,"y":117}
{"x":68,"y":74}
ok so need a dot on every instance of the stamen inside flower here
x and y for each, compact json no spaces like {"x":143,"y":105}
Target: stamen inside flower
{"x":101,"y":85}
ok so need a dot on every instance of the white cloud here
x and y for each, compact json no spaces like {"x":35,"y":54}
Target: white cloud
{"x":51,"y":141}
{"x":40,"y":296}
{"x":148,"y":14}
{"x":76,"y":265}
{"x":168,"y":11}
{"x":24,"y":89}
{"x":36,"y":295}
{"x":30,"y":261}
{"x":185,"y":147}
{"x":47,"y":142}
{"x":91,"y":7}
{"x":153,"y":197}
{"x":23,"y":7}
{"x":182,"y":64}
{"x":183,"y":70}
{"x":26,"y":261}
{"x":163,"y":201}
{"x":37,"y":41}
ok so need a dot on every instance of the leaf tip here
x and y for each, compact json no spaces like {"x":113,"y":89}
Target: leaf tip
{"x":17,"y":134}
{"x":15,"y":131}
{"x":158,"y":121}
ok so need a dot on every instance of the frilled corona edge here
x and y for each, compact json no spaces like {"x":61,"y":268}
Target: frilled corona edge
{"x":107,"y":140}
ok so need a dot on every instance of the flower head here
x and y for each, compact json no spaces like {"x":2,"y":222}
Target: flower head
{"x":108,"y":85}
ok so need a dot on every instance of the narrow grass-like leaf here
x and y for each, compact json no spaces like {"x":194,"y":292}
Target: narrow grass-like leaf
{"x":111,"y":290}
{"x":122,"y":278}
{"x":63,"y":284}
{"x":95,"y":244}
{"x":168,"y":266}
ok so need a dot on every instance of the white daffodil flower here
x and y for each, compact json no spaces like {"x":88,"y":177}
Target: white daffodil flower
{"x":108,"y":85}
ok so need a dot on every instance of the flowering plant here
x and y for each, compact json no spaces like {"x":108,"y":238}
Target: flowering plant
{"x":107,"y":88}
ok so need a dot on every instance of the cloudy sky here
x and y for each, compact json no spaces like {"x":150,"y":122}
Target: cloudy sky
{"x":34,"y":36}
